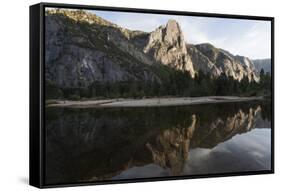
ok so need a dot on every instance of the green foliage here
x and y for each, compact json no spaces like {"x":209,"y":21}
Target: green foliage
{"x":265,"y":83}
{"x":53,"y":92}
{"x":74,"y":97}
{"x":168,"y":81}
{"x":171,"y":83}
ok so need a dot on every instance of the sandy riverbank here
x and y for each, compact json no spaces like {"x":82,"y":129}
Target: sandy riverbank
{"x":149,"y":102}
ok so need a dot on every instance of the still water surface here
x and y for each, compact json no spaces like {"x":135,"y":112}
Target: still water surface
{"x":123,"y":143}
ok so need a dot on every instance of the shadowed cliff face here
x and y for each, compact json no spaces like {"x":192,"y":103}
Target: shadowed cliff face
{"x":99,"y":144}
{"x":83,"y":48}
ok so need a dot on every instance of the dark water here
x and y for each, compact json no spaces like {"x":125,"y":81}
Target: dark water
{"x":124,"y":143}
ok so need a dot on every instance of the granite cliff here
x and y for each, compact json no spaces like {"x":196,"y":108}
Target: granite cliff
{"x":84,"y":49}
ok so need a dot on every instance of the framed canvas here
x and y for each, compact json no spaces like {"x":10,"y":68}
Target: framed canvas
{"x":121,"y":95}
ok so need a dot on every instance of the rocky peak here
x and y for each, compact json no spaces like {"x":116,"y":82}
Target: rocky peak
{"x":246,"y":62}
{"x":202,"y":62}
{"x":84,"y":48}
{"x":173,"y":34}
{"x":167,"y":45}
{"x":237,"y":67}
{"x":209,"y":50}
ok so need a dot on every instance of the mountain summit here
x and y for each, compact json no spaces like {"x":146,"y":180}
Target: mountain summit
{"x":218,"y":61}
{"x":84,"y":49}
{"x":167,"y":45}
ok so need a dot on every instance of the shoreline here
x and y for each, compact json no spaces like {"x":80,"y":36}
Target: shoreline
{"x":149,"y":102}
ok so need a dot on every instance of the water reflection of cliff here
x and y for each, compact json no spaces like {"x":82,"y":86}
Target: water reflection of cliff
{"x":98,"y":144}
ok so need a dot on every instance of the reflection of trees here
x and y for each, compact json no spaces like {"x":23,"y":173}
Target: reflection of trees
{"x":94,"y":144}
{"x":266,"y":110}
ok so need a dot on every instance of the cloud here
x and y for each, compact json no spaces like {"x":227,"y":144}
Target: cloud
{"x":254,"y":43}
{"x":240,"y":37}
{"x":243,"y":152}
{"x":134,"y":21}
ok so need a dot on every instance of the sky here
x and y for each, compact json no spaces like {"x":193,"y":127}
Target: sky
{"x":251,"y":38}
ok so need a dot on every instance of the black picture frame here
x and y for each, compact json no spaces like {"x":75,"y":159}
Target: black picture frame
{"x":37,"y":92}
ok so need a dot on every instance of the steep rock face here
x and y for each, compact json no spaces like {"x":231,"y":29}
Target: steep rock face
{"x":237,"y":67}
{"x":83,"y":48}
{"x":264,"y":64}
{"x":82,"y":51}
{"x":249,"y":66}
{"x":202,"y":62}
{"x":167,"y":45}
